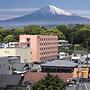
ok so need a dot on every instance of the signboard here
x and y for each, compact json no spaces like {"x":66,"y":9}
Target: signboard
{"x":80,"y":73}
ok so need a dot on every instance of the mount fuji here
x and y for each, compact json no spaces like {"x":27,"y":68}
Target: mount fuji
{"x":48,"y":15}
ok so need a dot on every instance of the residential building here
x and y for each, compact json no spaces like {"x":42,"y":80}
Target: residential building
{"x":63,"y":55}
{"x":5,"y":67}
{"x":21,"y":68}
{"x":24,"y":54}
{"x":63,"y":44}
{"x":78,"y":56}
{"x":9,"y":44}
{"x":44,"y":47}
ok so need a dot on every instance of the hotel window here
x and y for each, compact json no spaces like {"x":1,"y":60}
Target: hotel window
{"x":42,"y":53}
{"x":28,"y":45}
{"x":28,"y":39}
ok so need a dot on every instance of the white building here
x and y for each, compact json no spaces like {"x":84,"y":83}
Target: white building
{"x":8,"y":45}
{"x":79,"y":56}
{"x":63,"y":43}
{"x":63,"y":55}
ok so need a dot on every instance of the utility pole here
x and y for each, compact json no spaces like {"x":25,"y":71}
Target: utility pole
{"x":87,"y":59}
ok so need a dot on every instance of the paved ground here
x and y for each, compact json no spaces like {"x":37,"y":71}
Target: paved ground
{"x":83,"y":86}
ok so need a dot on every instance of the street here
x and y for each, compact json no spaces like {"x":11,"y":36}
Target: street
{"x":83,"y":86}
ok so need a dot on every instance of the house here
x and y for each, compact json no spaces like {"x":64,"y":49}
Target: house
{"x":44,"y":47}
{"x":21,"y":68}
{"x":6,"y":64}
{"x":63,"y":44}
{"x":61,"y":66}
{"x":8,"y":82}
{"x":63,"y":55}
{"x":9,"y":44}
{"x":78,"y":56}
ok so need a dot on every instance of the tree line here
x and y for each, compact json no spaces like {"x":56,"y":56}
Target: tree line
{"x":75,"y":34}
{"x":8,"y":35}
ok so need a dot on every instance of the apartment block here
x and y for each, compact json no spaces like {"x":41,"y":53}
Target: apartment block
{"x":43,"y":47}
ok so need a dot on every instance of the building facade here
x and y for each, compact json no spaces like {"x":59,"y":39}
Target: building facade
{"x":44,"y":47}
{"x":9,"y":45}
{"x":5,"y":67}
{"x":63,"y":44}
{"x":24,"y":54}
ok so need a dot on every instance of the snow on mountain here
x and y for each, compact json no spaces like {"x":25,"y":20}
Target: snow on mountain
{"x":58,"y":11}
{"x":53,"y":10}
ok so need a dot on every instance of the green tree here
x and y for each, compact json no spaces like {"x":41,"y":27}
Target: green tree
{"x":1,"y":38}
{"x":80,"y":36}
{"x":33,"y":29}
{"x":9,"y":38}
{"x":50,"y":82}
{"x":18,"y":32}
{"x":55,"y":32}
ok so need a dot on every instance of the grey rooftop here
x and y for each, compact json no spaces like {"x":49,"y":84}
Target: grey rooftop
{"x":59,"y":63}
{"x":8,"y":80}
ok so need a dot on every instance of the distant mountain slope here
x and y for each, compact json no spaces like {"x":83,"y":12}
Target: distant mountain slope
{"x":48,"y":15}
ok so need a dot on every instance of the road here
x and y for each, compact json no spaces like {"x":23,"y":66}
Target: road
{"x":84,"y":86}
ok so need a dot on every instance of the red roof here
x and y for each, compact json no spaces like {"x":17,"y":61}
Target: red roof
{"x":35,"y":76}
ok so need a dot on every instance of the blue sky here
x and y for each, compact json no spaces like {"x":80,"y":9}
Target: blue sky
{"x":70,"y":4}
{"x":12,"y":8}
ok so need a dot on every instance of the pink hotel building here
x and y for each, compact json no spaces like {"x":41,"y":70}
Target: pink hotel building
{"x":43,"y":47}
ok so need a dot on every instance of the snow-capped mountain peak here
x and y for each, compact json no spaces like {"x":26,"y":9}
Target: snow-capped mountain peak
{"x":59,"y":11}
{"x":54,"y":10}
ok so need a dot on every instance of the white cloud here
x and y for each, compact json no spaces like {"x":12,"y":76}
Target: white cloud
{"x":19,"y":9}
{"x":15,"y":12}
{"x":85,"y":13}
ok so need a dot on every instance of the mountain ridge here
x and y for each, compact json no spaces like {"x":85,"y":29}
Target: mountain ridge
{"x":49,"y":15}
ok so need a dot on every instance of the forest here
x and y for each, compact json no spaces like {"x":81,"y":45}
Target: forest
{"x":77,"y":34}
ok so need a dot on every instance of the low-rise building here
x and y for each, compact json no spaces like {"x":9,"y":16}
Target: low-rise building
{"x":9,"y":45}
{"x":78,"y":56}
{"x":61,"y":66}
{"x":24,"y":54}
{"x":32,"y":77}
{"x":63,"y":55}
{"x":81,"y":73}
{"x":63,"y":44}
{"x":5,"y":64}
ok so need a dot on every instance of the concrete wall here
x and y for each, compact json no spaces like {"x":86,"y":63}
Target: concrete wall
{"x":5,"y":66}
{"x":23,"y":53}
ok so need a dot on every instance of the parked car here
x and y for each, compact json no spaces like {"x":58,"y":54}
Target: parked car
{"x":71,"y":82}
